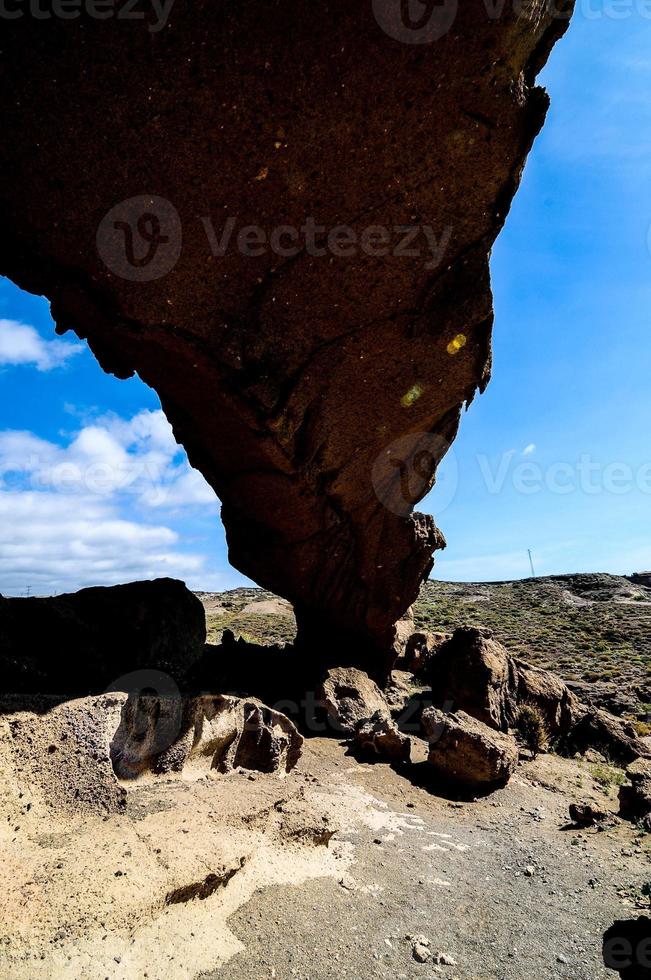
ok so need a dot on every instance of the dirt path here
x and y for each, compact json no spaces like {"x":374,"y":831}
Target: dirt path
{"x":319,"y":875}
{"x":496,"y":885}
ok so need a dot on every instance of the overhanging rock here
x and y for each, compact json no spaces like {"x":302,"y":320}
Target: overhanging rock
{"x":315,"y":375}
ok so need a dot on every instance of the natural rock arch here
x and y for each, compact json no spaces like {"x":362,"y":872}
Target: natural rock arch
{"x":303,"y":385}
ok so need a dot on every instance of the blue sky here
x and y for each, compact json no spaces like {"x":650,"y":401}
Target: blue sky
{"x":555,"y":456}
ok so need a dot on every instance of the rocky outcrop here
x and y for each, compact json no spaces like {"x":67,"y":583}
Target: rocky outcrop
{"x":83,"y":755}
{"x":464,"y":751}
{"x":419,"y":650}
{"x":379,"y":737}
{"x":616,"y":739}
{"x":349,"y":697}
{"x":286,"y":235}
{"x":474,"y":673}
{"x":586,"y":814}
{"x":87,"y":641}
{"x":195,"y":735}
{"x":635,"y":799}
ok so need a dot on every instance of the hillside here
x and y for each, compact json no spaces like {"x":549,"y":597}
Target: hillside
{"x":593,"y":629}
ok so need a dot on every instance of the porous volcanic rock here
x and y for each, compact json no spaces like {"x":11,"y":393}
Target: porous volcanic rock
{"x":616,"y":738}
{"x":315,"y":384}
{"x":85,"y":642}
{"x":379,"y":737}
{"x":474,"y":673}
{"x":465,"y":751}
{"x":195,"y":735}
{"x":349,"y":697}
{"x":61,"y":755}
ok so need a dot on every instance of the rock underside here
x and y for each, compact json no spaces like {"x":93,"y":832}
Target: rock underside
{"x":316,"y":391}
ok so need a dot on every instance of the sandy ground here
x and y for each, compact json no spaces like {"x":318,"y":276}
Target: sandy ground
{"x":319,"y":875}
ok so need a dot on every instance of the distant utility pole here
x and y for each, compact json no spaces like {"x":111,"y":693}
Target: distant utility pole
{"x":29,"y":592}
{"x":533,"y":571}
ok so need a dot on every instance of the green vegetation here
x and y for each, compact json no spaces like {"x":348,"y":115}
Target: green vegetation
{"x":594,"y":628}
{"x":531,"y":729}
{"x":608,"y":777}
{"x":585,"y":627}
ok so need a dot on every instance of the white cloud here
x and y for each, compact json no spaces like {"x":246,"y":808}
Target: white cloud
{"x":111,"y":457}
{"x":528,"y":450}
{"x":79,"y":514}
{"x":20,"y":344}
{"x":48,"y":546}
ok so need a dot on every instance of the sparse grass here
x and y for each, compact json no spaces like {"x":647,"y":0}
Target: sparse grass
{"x":583,"y":627}
{"x":608,"y":777}
{"x":575,"y":625}
{"x":531,"y":729}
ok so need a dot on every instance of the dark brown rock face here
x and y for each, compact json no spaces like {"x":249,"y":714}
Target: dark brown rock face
{"x":314,"y":382}
{"x":84,"y":642}
{"x":378,"y":737}
{"x":473,"y":672}
{"x":465,"y":751}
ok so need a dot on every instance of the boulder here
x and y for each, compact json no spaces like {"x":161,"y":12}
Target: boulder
{"x":420,"y":648}
{"x":379,"y":737}
{"x":464,"y":751}
{"x":88,"y":640}
{"x":316,"y":370}
{"x":349,"y":697}
{"x":163,"y":736}
{"x":473,"y":672}
{"x":586,"y":815}
{"x":615,"y":738}
{"x":635,"y":799}
{"x":560,"y":708}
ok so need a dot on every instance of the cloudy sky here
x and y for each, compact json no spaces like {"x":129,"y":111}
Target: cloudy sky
{"x":555,"y":457}
{"x":93,"y":487}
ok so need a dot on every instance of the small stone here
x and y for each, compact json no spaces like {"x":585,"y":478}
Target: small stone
{"x":421,"y":953}
{"x":444,"y":959}
{"x":530,"y":871}
{"x":561,"y":959}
